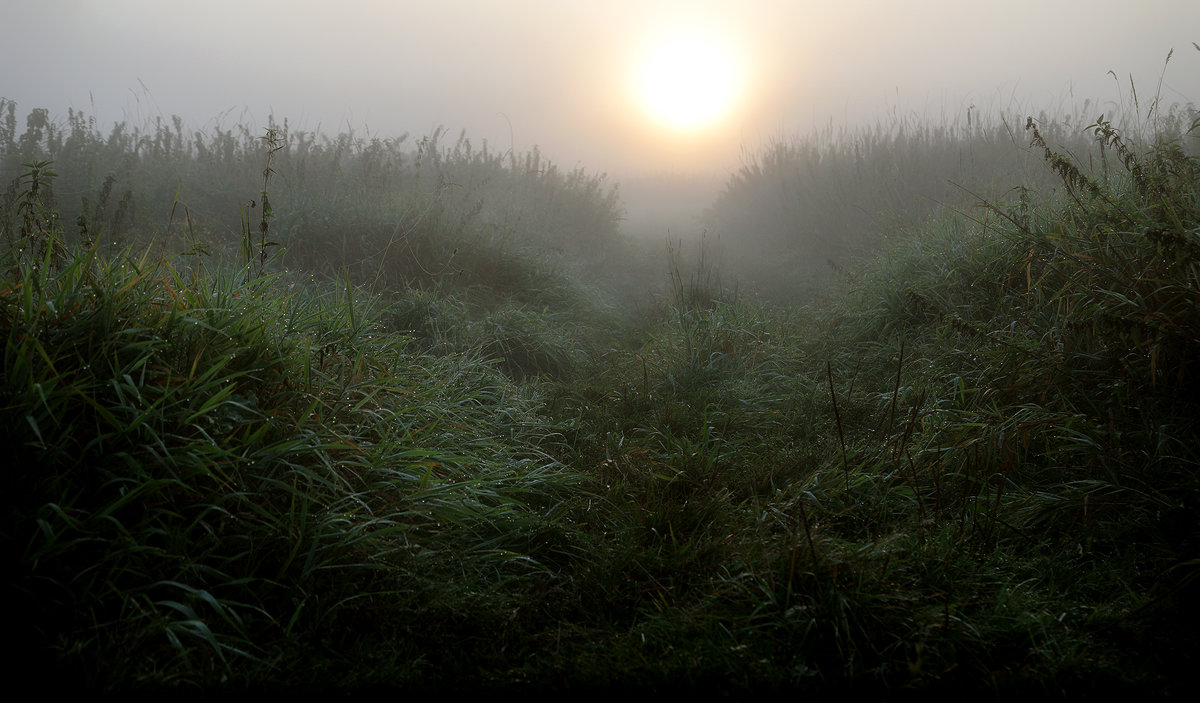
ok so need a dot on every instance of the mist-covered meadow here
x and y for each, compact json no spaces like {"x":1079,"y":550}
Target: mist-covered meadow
{"x":909,"y":408}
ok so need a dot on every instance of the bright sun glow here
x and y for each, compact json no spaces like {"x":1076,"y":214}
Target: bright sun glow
{"x":688,"y":83}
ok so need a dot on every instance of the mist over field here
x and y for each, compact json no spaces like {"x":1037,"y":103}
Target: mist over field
{"x":739,"y":348}
{"x":563,"y":76}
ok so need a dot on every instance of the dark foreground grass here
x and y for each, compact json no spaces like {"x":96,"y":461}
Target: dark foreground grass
{"x":217,"y":475}
{"x":977,"y":473}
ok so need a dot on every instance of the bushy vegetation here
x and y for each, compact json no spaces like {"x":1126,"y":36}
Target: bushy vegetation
{"x":801,"y":212}
{"x":398,"y":425}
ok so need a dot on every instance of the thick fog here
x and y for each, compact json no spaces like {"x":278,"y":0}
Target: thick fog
{"x":557,"y":75}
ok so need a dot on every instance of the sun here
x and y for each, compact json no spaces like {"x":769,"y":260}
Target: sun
{"x":688,"y":82}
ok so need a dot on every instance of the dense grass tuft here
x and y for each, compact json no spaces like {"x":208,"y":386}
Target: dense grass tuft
{"x":423,"y":444}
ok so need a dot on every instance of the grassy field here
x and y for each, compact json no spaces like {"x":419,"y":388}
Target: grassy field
{"x":292,"y":411}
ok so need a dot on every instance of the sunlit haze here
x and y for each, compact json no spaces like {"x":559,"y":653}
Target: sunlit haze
{"x":688,"y":81}
{"x":623,"y":86}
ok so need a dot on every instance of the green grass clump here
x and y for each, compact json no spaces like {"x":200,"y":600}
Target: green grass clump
{"x":803,"y":211}
{"x":217,"y":471}
{"x":390,"y":213}
{"x":977,"y":471}
{"x":423,"y":446}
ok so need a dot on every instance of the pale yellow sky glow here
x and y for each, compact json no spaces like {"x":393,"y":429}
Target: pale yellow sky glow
{"x":688,"y":80}
{"x":577,"y":79}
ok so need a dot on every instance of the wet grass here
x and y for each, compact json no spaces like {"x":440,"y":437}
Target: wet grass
{"x":976,"y":471}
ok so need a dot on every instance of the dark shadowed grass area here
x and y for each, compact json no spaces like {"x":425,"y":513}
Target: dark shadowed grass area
{"x":424,"y":444}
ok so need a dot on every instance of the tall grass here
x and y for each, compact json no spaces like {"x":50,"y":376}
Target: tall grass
{"x":801,"y":213}
{"x":390,"y":213}
{"x":974,"y":472}
{"x":216,"y":470}
{"x":980,"y":464}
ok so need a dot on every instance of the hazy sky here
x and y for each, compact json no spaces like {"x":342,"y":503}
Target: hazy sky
{"x":562,"y":74}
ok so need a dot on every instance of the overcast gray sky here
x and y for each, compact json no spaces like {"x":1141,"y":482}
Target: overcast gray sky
{"x":561,"y":74}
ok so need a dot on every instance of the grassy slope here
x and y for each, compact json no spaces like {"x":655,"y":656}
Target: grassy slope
{"x":978,"y":470}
